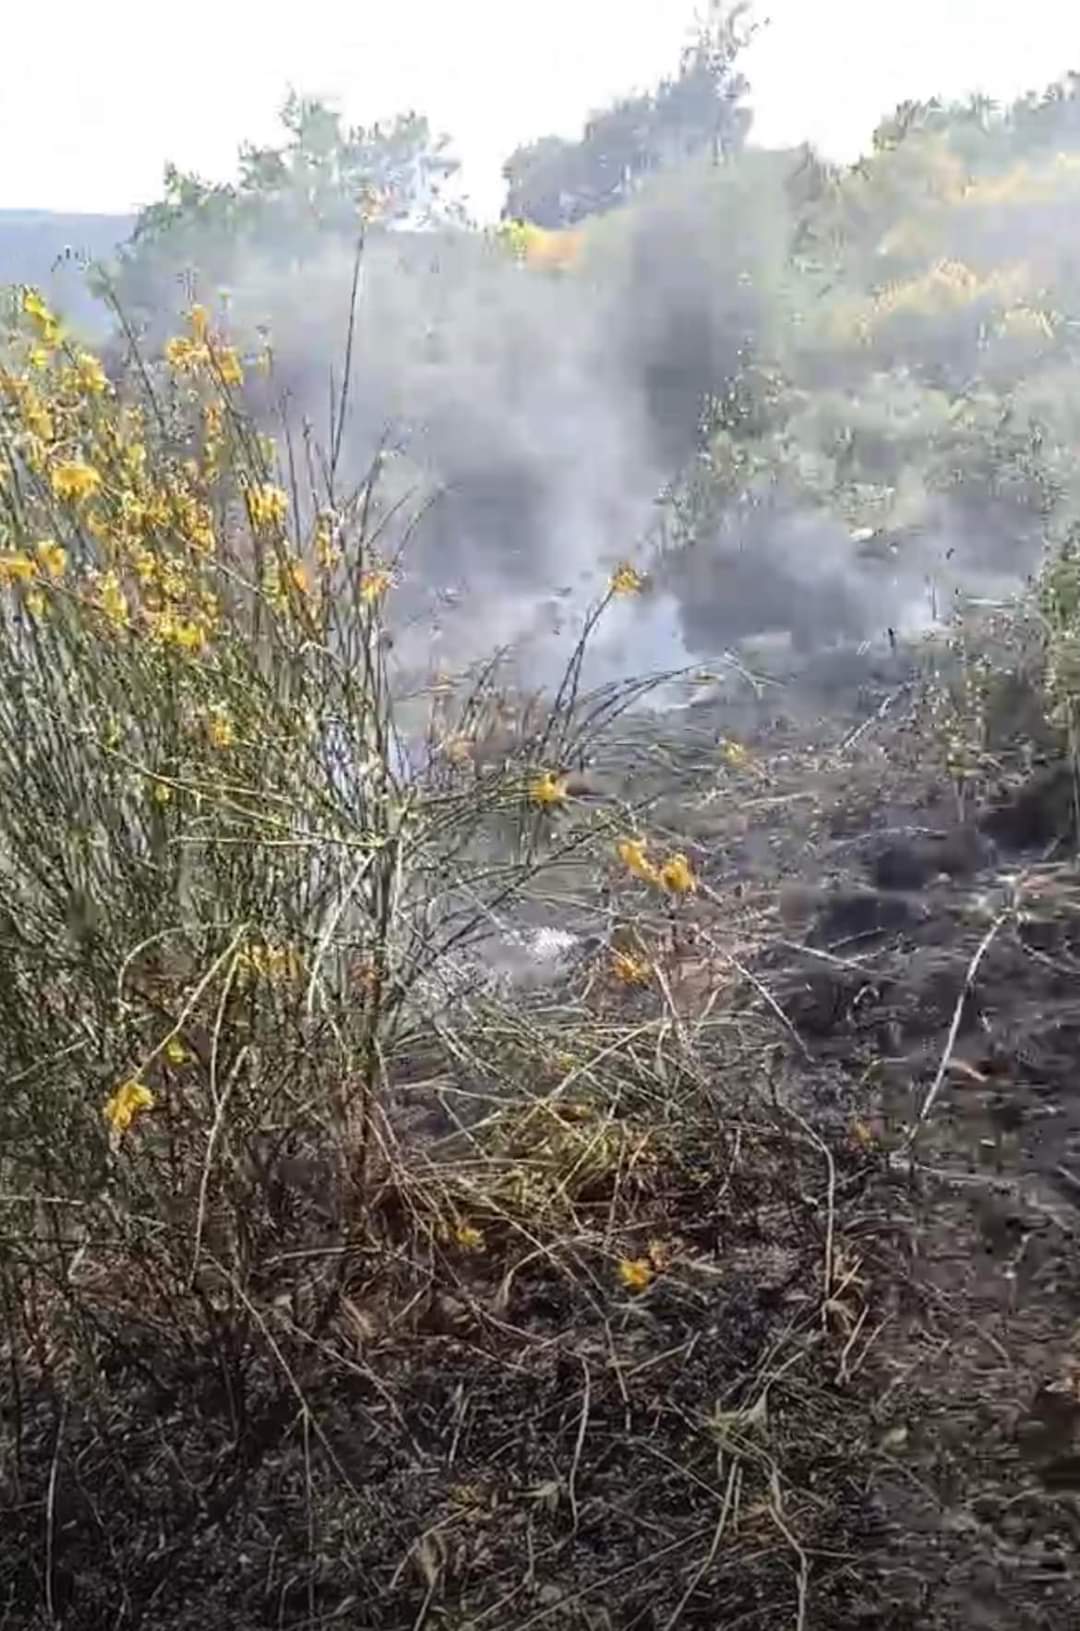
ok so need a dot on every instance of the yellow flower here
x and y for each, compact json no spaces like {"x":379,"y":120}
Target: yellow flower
{"x":468,"y":1237}
{"x":185,"y":633}
{"x":97,"y":525}
{"x":220,"y":730}
{"x":862,"y":1134}
{"x":548,"y":789}
{"x":161,"y":792}
{"x":52,"y":557}
{"x":132,"y":421}
{"x":89,"y":374}
{"x":631,"y":852}
{"x":267,"y":505}
{"x":199,"y":319}
{"x":16,"y":567}
{"x":296,"y":577}
{"x":75,"y":480}
{"x":229,"y":368}
{"x":43,"y":319}
{"x":282,"y":581}
{"x":38,"y":357}
{"x":636,"y":1273}
{"x":145,"y":565}
{"x":327,"y":552}
{"x":196,"y":523}
{"x":184,"y":356}
{"x":675,"y":875}
{"x":630,"y":970}
{"x":38,"y":419}
{"x":175,"y":1051}
{"x":35,"y":603}
{"x":374,"y":584}
{"x":128,"y":1101}
{"x":112,"y":601}
{"x":735,"y":754}
{"x":626,"y":580}
{"x":172,"y":577}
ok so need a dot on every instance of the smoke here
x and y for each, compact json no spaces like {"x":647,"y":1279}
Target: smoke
{"x":532,"y":420}
{"x":527,"y":465}
{"x":533,"y":417}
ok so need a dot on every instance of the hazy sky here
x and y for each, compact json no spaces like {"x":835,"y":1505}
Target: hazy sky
{"x":94,"y":103}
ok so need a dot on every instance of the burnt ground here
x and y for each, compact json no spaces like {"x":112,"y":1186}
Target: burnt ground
{"x":846,"y":1389}
{"x":927,"y":956}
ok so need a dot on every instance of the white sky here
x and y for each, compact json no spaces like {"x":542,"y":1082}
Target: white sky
{"x":93,"y":104}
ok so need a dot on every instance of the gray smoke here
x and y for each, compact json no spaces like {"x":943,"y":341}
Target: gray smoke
{"x":536,"y":419}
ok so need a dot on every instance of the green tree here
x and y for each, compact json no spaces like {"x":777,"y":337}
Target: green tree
{"x":325,"y":179}
{"x":555,"y":183}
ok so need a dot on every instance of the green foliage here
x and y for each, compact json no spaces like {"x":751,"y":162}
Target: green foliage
{"x":325,"y":181}
{"x":556,"y":183}
{"x":914,"y":360}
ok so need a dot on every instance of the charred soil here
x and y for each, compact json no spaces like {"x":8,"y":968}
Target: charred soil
{"x":782,"y":1329}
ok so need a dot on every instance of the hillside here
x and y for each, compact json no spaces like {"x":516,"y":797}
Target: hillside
{"x":48,"y":250}
{"x":539,"y":787}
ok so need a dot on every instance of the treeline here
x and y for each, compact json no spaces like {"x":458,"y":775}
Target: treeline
{"x":891,"y":345}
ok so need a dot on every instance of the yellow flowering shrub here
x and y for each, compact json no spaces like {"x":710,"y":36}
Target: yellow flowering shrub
{"x":326,"y":550}
{"x":548,"y":790}
{"x":636,"y":1273}
{"x":630,"y":970}
{"x":374,"y":584}
{"x":112,"y":601}
{"x":128,"y":1101}
{"x":626,"y":580}
{"x":267,"y":506}
{"x":51,"y":557}
{"x":15,"y":567}
{"x":45,"y":324}
{"x":676,"y":875}
{"x":673,"y":874}
{"x":228,"y":366}
{"x":220,"y":728}
{"x":202,"y":351}
{"x":631,"y":852}
{"x":75,"y":481}
{"x":286,"y":582}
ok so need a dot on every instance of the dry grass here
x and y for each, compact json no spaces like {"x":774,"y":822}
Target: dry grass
{"x":341,"y":1285}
